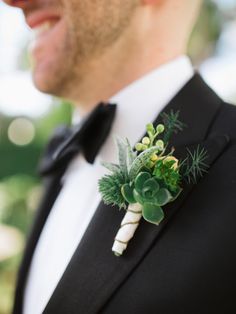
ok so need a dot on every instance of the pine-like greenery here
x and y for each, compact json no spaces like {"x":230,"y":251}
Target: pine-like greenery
{"x":110,"y":185}
{"x":172,"y":124}
{"x":110,"y":188}
{"x":194,"y":165}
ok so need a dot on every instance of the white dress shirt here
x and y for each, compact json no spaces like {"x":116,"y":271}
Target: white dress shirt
{"x":137,"y":104}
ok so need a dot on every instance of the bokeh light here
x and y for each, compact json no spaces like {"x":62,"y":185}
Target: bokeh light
{"x":11,"y":242}
{"x":21,"y":131}
{"x":33,"y":197}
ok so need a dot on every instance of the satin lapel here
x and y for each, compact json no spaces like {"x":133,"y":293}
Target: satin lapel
{"x":52,"y":189}
{"x":94,"y":273}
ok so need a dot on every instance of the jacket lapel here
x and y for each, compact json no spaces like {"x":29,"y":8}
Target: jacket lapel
{"x":94,"y":273}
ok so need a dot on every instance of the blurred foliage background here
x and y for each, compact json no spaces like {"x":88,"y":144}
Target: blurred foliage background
{"x":27,"y":118}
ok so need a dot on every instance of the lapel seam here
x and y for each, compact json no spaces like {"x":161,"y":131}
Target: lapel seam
{"x":213,"y":120}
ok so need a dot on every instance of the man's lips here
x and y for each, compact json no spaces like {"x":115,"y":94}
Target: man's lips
{"x":38,"y":18}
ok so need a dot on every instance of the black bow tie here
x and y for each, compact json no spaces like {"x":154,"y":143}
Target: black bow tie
{"x":87,"y":138}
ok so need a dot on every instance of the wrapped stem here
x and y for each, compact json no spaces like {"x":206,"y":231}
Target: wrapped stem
{"x":127,"y":229}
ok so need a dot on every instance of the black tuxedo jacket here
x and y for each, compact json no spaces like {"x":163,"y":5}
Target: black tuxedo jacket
{"x":186,"y":265}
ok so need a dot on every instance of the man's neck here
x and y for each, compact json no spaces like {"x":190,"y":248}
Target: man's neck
{"x":157,"y":86}
{"x":109,"y":84}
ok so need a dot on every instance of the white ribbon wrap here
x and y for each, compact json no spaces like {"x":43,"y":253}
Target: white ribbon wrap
{"x":127,"y":229}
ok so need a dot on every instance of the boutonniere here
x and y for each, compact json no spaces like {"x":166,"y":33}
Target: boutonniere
{"x":148,"y":177}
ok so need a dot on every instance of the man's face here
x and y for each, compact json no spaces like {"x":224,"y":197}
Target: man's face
{"x":70,"y":34}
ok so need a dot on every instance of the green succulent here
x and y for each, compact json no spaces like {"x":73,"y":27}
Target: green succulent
{"x":149,"y":192}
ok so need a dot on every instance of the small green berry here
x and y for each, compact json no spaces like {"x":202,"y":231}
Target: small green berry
{"x":160,"y":145}
{"x":146,"y":140}
{"x":150,"y":128}
{"x":139,"y":147}
{"x":160,"y":128}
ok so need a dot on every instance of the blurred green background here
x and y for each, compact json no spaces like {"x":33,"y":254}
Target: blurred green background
{"x":27,"y":118}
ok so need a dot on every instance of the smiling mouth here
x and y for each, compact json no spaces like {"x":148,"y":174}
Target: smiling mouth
{"x":45,"y":28}
{"x":42,"y":22}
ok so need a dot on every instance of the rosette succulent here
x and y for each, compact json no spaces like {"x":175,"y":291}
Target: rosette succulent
{"x":150,"y":192}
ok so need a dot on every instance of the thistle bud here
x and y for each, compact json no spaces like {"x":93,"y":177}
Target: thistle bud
{"x":160,"y":145}
{"x":146,"y":140}
{"x":160,"y":128}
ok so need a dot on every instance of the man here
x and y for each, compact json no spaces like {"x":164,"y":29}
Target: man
{"x":129,"y":53}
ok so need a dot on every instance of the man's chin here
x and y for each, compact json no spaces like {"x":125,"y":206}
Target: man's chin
{"x":45,"y":84}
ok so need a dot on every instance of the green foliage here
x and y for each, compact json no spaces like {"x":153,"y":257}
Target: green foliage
{"x":131,"y":154}
{"x":207,"y":31}
{"x":111,"y":167}
{"x":141,"y":178}
{"x":153,"y":213}
{"x":165,"y":171}
{"x":172,"y":124}
{"x":127,"y":193}
{"x":151,"y":193}
{"x":148,"y":141}
{"x":141,"y":162}
{"x":110,"y":188}
{"x":148,"y":189}
{"x":123,"y":162}
{"x":194,"y":165}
